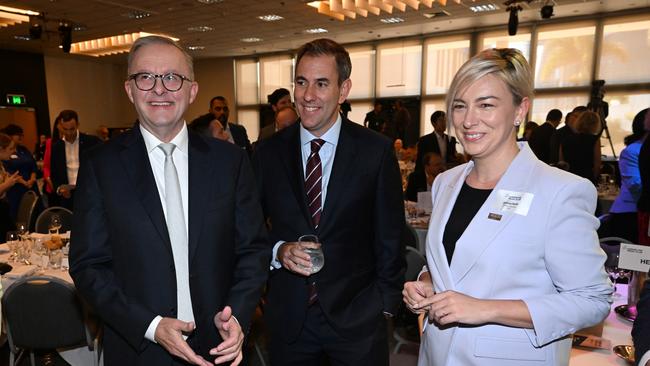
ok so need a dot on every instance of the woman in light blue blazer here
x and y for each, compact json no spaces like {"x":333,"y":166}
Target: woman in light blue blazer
{"x":514,"y":265}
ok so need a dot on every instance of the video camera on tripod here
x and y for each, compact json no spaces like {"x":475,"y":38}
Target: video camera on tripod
{"x":598,"y":105}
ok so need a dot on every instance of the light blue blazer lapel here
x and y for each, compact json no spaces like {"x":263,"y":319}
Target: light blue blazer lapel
{"x":444,"y":197}
{"x":482,"y":231}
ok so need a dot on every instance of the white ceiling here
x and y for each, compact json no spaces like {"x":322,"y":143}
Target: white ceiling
{"x":233,"y":20}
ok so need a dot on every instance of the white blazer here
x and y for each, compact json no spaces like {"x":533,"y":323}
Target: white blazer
{"x":547,"y":255}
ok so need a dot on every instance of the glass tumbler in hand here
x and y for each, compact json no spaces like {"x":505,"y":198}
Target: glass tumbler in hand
{"x":311,"y":246}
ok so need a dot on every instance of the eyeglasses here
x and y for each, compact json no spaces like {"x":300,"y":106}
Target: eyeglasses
{"x":146,"y":81}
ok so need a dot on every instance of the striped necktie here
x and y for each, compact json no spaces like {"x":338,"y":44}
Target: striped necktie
{"x":313,"y":181}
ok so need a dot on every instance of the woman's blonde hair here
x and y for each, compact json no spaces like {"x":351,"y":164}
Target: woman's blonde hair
{"x":507,"y":64}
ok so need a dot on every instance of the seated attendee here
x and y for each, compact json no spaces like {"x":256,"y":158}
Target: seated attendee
{"x":641,"y":328}
{"x":67,"y":154}
{"x":563,"y":132}
{"x":643,"y":205}
{"x":398,"y":146}
{"x":7,"y":149}
{"x":540,"y":138}
{"x":284,"y":117}
{"x":103,"y":133}
{"x":437,"y":142}
{"x":209,"y":126}
{"x":237,"y":133}
{"x":279,"y":99}
{"x":22,"y":162}
{"x":622,"y":220}
{"x":421,"y":181}
{"x":581,"y":150}
{"x":529,"y":127}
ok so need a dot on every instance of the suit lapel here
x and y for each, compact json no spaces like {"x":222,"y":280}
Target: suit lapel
{"x":482,"y":231}
{"x":199,"y":185}
{"x":346,"y":152}
{"x":136,"y":163}
{"x":292,"y":159}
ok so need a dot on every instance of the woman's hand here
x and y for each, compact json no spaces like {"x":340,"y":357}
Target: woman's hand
{"x":416,"y":294}
{"x":453,"y":307}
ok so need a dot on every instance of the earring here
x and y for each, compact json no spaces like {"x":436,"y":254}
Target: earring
{"x":517,"y":123}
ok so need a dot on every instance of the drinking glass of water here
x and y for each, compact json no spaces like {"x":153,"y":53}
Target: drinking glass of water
{"x":311,"y":246}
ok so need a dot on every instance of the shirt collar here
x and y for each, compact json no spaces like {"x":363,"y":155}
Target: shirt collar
{"x":152,"y":142}
{"x":75,"y":140}
{"x":331,"y":136}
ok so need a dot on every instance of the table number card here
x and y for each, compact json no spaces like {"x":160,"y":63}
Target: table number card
{"x":634,"y":257}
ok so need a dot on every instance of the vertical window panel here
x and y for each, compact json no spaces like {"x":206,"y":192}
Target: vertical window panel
{"x":275,"y":72}
{"x":443,"y":58}
{"x":543,"y":104}
{"x":623,"y":106}
{"x":400,"y":66}
{"x":363,"y":72}
{"x":246,"y":82}
{"x":359,"y":110}
{"x":427,"y":108}
{"x":625,"y":53}
{"x":250,"y":119}
{"x":564,"y":57}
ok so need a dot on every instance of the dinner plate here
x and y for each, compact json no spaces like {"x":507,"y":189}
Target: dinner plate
{"x":624,"y":312}
{"x":625,"y":352}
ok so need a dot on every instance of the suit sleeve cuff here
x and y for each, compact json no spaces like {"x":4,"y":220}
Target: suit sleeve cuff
{"x":275,"y":263}
{"x":644,"y":359}
{"x":424,"y":270}
{"x":150,"y":334}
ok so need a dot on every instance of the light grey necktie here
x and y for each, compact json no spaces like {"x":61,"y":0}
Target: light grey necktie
{"x":177,"y":234}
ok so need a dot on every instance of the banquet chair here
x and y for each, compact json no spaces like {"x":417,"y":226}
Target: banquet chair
{"x":26,"y":208}
{"x":414,"y":263}
{"x":45,"y":313}
{"x":43,"y":220}
{"x":410,"y":237}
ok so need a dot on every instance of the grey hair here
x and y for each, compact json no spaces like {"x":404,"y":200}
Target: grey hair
{"x":149,"y":40}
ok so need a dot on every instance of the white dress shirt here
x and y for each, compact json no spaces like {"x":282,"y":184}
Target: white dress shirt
{"x":72,"y":159}
{"x":326,"y":153}
{"x":157,"y":161}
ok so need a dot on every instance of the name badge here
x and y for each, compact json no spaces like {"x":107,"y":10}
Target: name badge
{"x":515,"y":202}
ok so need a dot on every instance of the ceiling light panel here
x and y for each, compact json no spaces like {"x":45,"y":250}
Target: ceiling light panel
{"x":270,"y":17}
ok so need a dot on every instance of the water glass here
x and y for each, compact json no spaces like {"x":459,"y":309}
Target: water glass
{"x":56,"y":257}
{"x":310,"y":245}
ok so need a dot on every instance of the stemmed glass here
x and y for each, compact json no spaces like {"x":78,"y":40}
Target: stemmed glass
{"x":55,"y":224}
{"x":311,"y":246}
{"x":12,"y":240}
{"x":22,"y":230}
{"x":611,"y":267}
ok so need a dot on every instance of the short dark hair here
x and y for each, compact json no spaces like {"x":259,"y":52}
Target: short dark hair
{"x":218,"y":97}
{"x":580,"y":108}
{"x":5,"y":140}
{"x":327,"y":47}
{"x":638,"y":127}
{"x":201,"y":124}
{"x":277,"y":94}
{"x":67,"y":115}
{"x":435,"y":116}
{"x":13,"y":130}
{"x":554,"y":115}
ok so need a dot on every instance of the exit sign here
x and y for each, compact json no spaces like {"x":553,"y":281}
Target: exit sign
{"x":16,"y":99}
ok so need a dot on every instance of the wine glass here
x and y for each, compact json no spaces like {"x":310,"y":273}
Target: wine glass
{"x":12,"y":240}
{"x":310,"y":245}
{"x":611,"y":265}
{"x":22,"y":230}
{"x":55,"y":224}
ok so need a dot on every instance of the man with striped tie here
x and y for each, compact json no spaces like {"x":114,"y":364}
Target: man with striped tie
{"x":329,"y":177}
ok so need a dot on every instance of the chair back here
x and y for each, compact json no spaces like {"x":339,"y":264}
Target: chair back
{"x":414,"y":263}
{"x":44,"y":312}
{"x":410,"y":237}
{"x":43,"y":220}
{"x":26,"y":208}
{"x":611,"y":245}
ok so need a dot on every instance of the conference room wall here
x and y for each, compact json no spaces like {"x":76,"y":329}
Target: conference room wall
{"x":215,"y":76}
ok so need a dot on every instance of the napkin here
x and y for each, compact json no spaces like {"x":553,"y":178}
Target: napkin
{"x":22,"y":271}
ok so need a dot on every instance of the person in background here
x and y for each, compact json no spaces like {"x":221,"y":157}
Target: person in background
{"x":437,"y":142}
{"x":48,"y":187}
{"x":421,"y":181}
{"x":39,"y":149}
{"x":401,"y":119}
{"x":641,"y":327}
{"x":643,"y":205}
{"x":209,"y":126}
{"x":563,"y":132}
{"x":236,"y":132}
{"x":168,"y":243}
{"x":529,"y":127}
{"x":7,"y":149}
{"x":103,"y":133}
{"x":581,"y":149}
{"x":622,"y":219}
{"x":540,"y":139}
{"x":330,"y":177}
{"x":376,"y":118}
{"x":22,"y":162}
{"x":513,"y":260}
{"x":398,"y":147}
{"x":67,"y":154}
{"x":282,"y":100}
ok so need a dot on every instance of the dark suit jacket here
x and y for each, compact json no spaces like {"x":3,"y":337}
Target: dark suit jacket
{"x":58,"y":168}
{"x":121,"y":258}
{"x":266,"y":132}
{"x":641,"y":328}
{"x":540,"y":141}
{"x":557,"y":139}
{"x":643,"y":204}
{"x":417,"y":182}
{"x":429,"y":143}
{"x":240,"y":137}
{"x":360,"y":230}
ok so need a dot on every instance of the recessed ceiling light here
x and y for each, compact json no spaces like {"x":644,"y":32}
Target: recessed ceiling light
{"x":442,"y":13}
{"x":79,"y":27}
{"x":210,"y":1}
{"x":251,"y":39}
{"x":200,"y":28}
{"x":195,"y":48}
{"x":137,"y":14}
{"x":270,"y":17}
{"x":392,"y":20}
{"x":315,"y":30}
{"x":22,"y":38}
{"x":483,"y":8}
